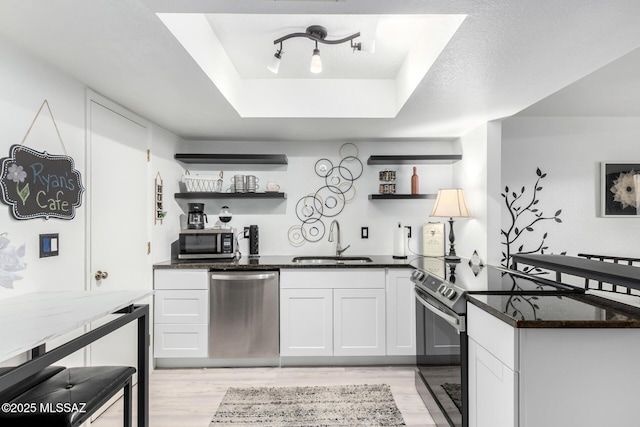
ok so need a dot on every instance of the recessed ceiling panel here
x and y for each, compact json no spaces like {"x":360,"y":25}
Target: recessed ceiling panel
{"x":235,"y":49}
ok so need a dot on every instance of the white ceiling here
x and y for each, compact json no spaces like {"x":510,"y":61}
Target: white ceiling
{"x":506,"y":56}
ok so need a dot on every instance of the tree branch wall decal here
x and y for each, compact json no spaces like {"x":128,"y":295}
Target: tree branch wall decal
{"x":524,"y":214}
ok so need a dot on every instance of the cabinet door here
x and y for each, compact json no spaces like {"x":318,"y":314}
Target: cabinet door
{"x":173,"y":340}
{"x":181,"y":306}
{"x":306,"y":322}
{"x":401,"y":314}
{"x":359,"y":322}
{"x":492,"y":390}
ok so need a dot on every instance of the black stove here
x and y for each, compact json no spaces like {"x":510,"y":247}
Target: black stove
{"x":441,"y":289}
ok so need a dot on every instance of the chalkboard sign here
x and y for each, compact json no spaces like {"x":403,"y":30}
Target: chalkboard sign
{"x":39,"y":184}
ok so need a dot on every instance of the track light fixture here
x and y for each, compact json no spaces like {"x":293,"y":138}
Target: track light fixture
{"x":274,"y":66}
{"x":317,"y":34}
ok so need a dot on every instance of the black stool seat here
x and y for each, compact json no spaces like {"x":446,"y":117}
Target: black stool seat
{"x":71,"y":396}
{"x":24,"y":385}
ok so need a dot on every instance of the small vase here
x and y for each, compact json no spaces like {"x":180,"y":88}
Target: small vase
{"x":415,"y":181}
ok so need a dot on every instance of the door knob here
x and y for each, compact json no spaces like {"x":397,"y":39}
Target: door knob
{"x":101,"y":275}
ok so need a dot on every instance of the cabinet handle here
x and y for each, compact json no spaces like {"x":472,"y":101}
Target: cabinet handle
{"x":101,"y":275}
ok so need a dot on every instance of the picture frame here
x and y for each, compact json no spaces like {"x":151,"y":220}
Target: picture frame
{"x":433,"y":239}
{"x":620,"y":189}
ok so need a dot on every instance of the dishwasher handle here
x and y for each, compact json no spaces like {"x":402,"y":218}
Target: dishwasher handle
{"x":243,"y":276}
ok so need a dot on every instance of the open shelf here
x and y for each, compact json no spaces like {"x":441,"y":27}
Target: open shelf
{"x":212,"y":195}
{"x":414,"y":159}
{"x":401,"y":196}
{"x":228,"y":159}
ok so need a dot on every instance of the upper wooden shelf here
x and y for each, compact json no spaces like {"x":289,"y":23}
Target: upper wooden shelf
{"x":401,"y":196}
{"x":413,"y":159}
{"x":228,"y":159}
{"x":212,"y":195}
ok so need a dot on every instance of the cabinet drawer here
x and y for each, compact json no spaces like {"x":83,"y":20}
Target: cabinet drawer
{"x":180,"y":279}
{"x":184,"y":306}
{"x":180,"y":341}
{"x":339,"y":278}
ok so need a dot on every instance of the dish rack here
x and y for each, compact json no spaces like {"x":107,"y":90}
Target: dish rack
{"x":202,"y":183}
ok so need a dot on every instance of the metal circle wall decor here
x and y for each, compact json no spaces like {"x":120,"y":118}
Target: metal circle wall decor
{"x":332,"y":201}
{"x":337,"y":176}
{"x":308,"y":209}
{"x":328,"y":200}
{"x":323,"y":167}
{"x":296,"y":235}
{"x":313,"y":232}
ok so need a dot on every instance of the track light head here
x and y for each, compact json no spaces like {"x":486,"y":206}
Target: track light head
{"x":274,"y":65}
{"x":316,"y":62}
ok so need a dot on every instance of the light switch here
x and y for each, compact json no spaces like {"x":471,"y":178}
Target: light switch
{"x":364,"y":232}
{"x":49,"y":245}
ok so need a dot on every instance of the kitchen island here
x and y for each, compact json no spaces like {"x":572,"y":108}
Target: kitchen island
{"x":552,"y":359}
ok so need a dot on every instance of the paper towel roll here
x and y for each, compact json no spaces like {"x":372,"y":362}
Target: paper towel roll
{"x":399,"y":242}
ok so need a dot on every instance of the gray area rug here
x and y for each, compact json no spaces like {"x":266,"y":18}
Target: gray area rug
{"x":350,"y":405}
{"x":455,"y":393}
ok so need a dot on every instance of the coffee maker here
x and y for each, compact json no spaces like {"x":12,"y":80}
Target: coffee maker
{"x":196,"y":217}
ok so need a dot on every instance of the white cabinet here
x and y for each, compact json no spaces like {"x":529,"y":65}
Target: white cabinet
{"x":532,"y":377}
{"x":492,"y":389}
{"x":306,"y":322}
{"x":181,"y":313}
{"x":492,"y":363}
{"x":359,"y":322}
{"x":337,"y":312}
{"x":401,"y":313}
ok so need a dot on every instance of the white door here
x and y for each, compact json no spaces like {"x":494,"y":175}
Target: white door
{"x":119,"y":215}
{"x":359,"y":322}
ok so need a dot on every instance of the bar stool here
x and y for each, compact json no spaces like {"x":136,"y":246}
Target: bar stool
{"x":69,"y":397}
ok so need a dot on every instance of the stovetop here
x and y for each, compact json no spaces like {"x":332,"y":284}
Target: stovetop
{"x":448,"y":283}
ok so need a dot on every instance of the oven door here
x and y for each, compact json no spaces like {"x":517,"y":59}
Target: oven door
{"x":441,"y":371}
{"x":195,"y":245}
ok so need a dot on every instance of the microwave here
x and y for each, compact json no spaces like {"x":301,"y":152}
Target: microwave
{"x":205,"y":244}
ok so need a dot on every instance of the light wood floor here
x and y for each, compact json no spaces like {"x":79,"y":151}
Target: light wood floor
{"x":189,"y":397}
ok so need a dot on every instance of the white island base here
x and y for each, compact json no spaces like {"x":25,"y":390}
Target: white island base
{"x":555,"y":377}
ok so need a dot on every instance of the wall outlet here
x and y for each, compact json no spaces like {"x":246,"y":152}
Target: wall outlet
{"x":364,"y":232}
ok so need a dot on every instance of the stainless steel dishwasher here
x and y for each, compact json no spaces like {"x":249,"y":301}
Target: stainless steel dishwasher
{"x":244,"y":315}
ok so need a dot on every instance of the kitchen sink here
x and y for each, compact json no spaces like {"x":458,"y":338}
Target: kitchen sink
{"x":331,"y":260}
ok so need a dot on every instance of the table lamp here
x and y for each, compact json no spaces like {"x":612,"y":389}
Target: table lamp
{"x":450,"y":203}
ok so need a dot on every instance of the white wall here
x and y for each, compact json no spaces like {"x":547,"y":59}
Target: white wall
{"x":569,"y":150}
{"x":24,"y":83}
{"x":298,"y":179}
{"x":163,"y":147}
{"x":478,"y":174}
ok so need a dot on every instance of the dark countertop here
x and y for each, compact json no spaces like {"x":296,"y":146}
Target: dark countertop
{"x":270,"y":262}
{"x":552,"y":310}
{"x":618,"y":274}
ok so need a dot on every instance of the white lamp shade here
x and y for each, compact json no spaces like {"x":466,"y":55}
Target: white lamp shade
{"x":274,"y":65}
{"x":636,"y":186}
{"x":316,"y":62}
{"x":450,"y":203}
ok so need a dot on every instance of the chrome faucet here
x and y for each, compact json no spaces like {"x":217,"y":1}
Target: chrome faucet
{"x":339,"y":249}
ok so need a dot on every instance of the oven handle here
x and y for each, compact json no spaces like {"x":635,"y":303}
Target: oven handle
{"x":452,"y":320}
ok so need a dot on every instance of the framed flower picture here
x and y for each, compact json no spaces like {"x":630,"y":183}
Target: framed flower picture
{"x":620,"y":189}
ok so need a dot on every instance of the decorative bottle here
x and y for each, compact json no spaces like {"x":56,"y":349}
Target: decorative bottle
{"x":415,"y":181}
